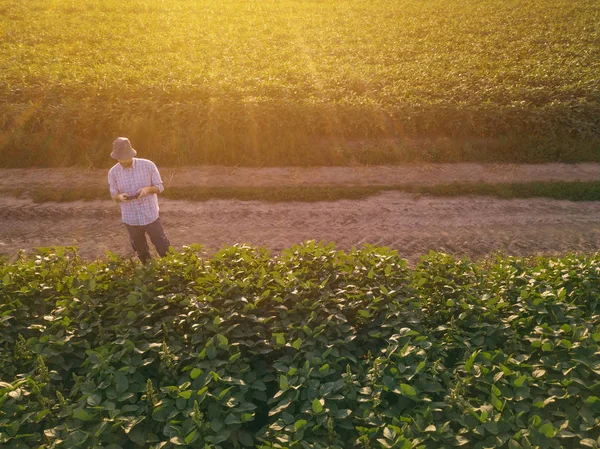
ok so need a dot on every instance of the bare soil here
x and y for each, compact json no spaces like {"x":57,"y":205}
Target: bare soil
{"x":413,"y":225}
{"x":217,"y":176}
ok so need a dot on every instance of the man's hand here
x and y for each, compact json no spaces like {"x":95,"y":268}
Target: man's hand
{"x":148,"y":190}
{"x":120,"y":197}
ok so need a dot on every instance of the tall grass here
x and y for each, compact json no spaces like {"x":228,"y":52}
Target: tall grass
{"x":299,"y":82}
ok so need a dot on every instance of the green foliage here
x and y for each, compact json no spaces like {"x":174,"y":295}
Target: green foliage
{"x":314,"y":347}
{"x":299,"y":82}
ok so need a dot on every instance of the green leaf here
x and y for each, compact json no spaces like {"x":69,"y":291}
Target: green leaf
{"x":76,"y":439}
{"x":342,"y":413}
{"x":491,"y":427}
{"x":281,"y":367}
{"x":389,"y":434}
{"x":520,"y":381}
{"x":121,"y":382}
{"x":259,"y":385}
{"x":216,"y":425}
{"x":460,"y":441}
{"x":497,"y":403}
{"x":283,"y":383}
{"x":192,"y":436}
{"x":138,"y":436}
{"x":177,"y":441}
{"x":220,"y":437}
{"x":223,"y":393}
{"x":300,"y":424}
{"x":94,"y":399}
{"x":129,"y":425}
{"x":297,"y":343}
{"x":195,"y":373}
{"x":496,"y":391}
{"x":408,"y":390}
{"x":588,"y":442}
{"x":233,"y":380}
{"x":222,"y":340}
{"x":161,"y":412}
{"x":317,"y":405}
{"x":40,"y":415}
{"x":233,"y":418}
{"x":185,"y":394}
{"x":211,"y":352}
{"x":385,"y":443}
{"x":279,"y":339}
{"x":245,"y":406}
{"x":82,"y":414}
{"x":245,"y":438}
{"x":282,"y":406}
{"x":547,"y":430}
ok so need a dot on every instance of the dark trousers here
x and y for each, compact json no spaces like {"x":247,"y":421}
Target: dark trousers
{"x":137,"y":237}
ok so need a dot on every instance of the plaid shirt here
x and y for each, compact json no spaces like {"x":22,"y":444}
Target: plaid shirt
{"x":142,"y":173}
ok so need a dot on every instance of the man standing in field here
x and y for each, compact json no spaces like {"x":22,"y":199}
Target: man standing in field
{"x":134,"y":184}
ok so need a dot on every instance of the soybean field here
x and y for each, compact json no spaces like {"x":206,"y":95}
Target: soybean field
{"x":299,"y":82}
{"x":313,"y":348}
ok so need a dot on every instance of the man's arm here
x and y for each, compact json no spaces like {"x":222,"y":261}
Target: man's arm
{"x":148,"y":190}
{"x":157,"y":184}
{"x":114,"y":191}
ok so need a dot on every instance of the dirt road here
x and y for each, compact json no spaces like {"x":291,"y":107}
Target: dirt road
{"x":216,"y":176}
{"x":413,"y":225}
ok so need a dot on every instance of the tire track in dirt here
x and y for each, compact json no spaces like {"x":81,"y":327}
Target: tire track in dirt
{"x":471,"y":226}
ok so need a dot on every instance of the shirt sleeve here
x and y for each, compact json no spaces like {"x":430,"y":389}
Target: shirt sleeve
{"x":112,"y":183}
{"x":155,"y":177}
